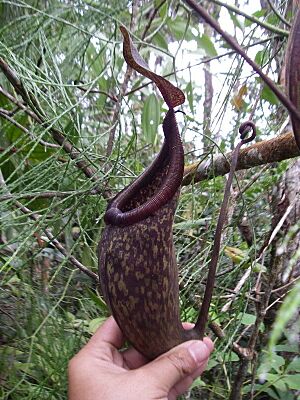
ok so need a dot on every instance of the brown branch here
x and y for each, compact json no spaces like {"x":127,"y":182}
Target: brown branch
{"x":256,"y":20}
{"x":151,"y":18}
{"x":242,"y":371}
{"x":96,"y":91}
{"x":277,"y":13}
{"x":242,"y":352}
{"x":45,"y":195}
{"x":6,"y":116}
{"x":280,"y":148}
{"x":234,"y":45}
{"x":19,"y":104}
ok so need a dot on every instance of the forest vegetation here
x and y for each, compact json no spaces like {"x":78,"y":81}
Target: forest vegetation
{"x":77,"y":125}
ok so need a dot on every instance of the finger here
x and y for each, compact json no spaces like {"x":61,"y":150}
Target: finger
{"x":199,"y":370}
{"x":181,"y":387}
{"x":180,"y":362}
{"x":188,"y":325}
{"x":109,"y":332}
{"x":134,"y":359}
{"x":209,"y":343}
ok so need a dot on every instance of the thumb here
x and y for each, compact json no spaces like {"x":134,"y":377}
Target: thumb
{"x":180,"y":362}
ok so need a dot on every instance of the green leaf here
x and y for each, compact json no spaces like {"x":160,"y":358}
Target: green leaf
{"x":272,"y":393}
{"x":289,"y":348}
{"x":235,"y":20}
{"x":160,"y":41}
{"x":268,"y":95}
{"x":212,"y":362}
{"x":232,"y":357}
{"x":98,"y":301}
{"x":151,"y":118}
{"x":257,"y":14}
{"x":190,"y":96}
{"x":205,"y":43}
{"x":273,"y":19}
{"x":293,"y":381}
{"x":163,"y":10}
{"x":248,"y":388}
{"x":271,"y":362}
{"x":262,"y":57}
{"x":294,"y":365}
{"x":180,"y":29}
{"x":277,"y":381}
{"x":247,"y":319}
{"x":95,"y":323}
{"x":197,"y":382}
{"x":285,"y":314}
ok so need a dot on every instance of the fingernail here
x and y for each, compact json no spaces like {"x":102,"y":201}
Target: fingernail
{"x":198,"y":351}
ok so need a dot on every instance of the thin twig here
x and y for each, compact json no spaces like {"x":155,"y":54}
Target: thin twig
{"x":96,"y":91}
{"x":286,"y":285}
{"x":6,"y":116}
{"x":234,"y":45}
{"x":263,"y":24}
{"x":242,"y":352}
{"x":46,"y":195}
{"x":151,"y":18}
{"x":278,"y":14}
{"x":237,"y":289}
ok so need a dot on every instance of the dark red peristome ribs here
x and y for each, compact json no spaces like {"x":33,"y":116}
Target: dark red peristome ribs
{"x":171,"y":158}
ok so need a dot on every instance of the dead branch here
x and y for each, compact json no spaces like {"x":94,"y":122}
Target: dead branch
{"x":280,"y":148}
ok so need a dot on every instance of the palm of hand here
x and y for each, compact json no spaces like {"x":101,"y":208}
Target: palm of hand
{"x":101,"y":371}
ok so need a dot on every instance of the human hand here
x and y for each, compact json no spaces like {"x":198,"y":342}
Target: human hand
{"x":101,"y":371}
